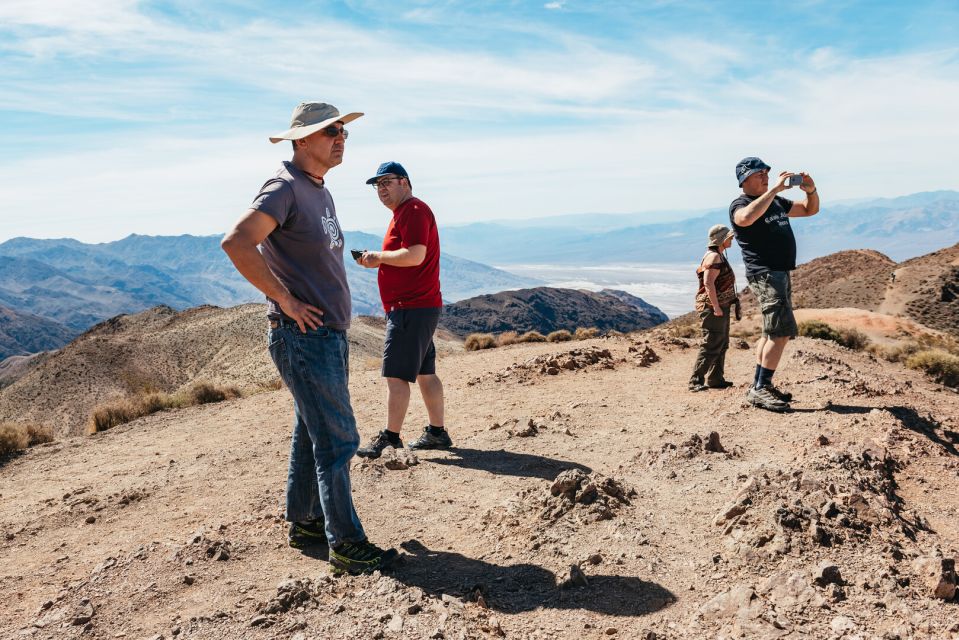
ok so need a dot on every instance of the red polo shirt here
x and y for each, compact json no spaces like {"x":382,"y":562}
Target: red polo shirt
{"x":412,"y":287}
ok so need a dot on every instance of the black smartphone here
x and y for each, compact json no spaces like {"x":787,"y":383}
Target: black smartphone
{"x":357,"y":253}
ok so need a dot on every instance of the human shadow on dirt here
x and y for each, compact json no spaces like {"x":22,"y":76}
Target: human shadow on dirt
{"x":507,"y":463}
{"x":908,"y":417}
{"x":834,"y":408}
{"x":525,"y":587}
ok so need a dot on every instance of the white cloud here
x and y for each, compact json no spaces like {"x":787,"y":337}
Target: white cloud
{"x":490,"y":133}
{"x":553,"y":5}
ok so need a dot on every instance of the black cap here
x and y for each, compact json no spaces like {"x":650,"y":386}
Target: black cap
{"x":748,"y":166}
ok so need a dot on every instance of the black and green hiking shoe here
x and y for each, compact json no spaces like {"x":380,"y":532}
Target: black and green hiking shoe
{"x":307,"y":534}
{"x":432,"y":438}
{"x":355,"y":558}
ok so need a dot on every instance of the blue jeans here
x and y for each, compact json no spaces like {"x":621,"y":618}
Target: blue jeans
{"x":315,"y":368}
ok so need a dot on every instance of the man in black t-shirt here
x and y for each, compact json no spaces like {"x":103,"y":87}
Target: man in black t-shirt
{"x":760,"y":219}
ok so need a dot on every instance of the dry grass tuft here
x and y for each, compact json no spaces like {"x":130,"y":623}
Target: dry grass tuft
{"x":13,"y":437}
{"x":532,"y":336}
{"x":941,"y":366}
{"x":112,"y":414}
{"x":477,"y":341}
{"x":685,"y":331}
{"x":586,"y":333}
{"x":205,"y":393}
{"x":560,"y":335}
{"x":507,"y":338}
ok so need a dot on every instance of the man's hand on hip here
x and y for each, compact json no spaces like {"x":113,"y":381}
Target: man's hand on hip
{"x":305,"y":315}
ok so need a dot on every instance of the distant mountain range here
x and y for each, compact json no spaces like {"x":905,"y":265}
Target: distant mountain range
{"x":547,"y":309}
{"x":898,"y":227}
{"x":70,"y":285}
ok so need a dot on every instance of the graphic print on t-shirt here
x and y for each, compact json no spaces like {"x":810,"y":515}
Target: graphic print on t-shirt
{"x":332,"y":229}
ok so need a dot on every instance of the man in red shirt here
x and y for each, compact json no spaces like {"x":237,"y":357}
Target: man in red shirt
{"x":409,"y":281}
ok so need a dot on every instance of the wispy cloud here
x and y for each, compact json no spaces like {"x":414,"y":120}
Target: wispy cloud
{"x":162,"y":121}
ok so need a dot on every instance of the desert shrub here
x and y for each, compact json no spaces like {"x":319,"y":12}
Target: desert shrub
{"x":560,"y":335}
{"x":507,"y":338}
{"x":685,"y":331}
{"x":851,"y":338}
{"x":111,"y":414}
{"x":38,"y":434}
{"x":898,"y":352}
{"x":13,"y":437}
{"x":205,"y":393}
{"x":532,"y":336}
{"x":854,"y":339}
{"x":941,"y":366}
{"x":585,"y":334}
{"x":477,"y":341}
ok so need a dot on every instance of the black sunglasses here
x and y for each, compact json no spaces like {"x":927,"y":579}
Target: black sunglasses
{"x":333,"y":131}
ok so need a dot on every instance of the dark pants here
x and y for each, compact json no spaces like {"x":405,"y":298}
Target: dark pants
{"x":711,"y":363}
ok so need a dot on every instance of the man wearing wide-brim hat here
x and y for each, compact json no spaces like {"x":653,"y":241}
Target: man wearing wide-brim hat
{"x":289,"y":245}
{"x":760,"y":220}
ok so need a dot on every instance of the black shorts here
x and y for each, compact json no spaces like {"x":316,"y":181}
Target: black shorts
{"x":409,"y":351}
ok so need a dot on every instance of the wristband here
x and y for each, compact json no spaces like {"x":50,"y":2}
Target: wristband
{"x":809,"y":193}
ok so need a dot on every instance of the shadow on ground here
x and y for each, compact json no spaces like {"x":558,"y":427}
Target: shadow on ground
{"x":907,"y":416}
{"x":508,"y":463}
{"x":525,"y":587}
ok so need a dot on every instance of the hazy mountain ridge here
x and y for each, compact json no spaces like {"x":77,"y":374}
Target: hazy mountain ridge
{"x":77,"y":284}
{"x":899,"y":227}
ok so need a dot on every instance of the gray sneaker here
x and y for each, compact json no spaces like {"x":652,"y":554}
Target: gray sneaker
{"x":375,"y":448}
{"x":430,"y":441}
{"x":765,"y":399}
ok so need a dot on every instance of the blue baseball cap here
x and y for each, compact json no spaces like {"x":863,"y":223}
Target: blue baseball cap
{"x":748,"y":166}
{"x":389,"y":168}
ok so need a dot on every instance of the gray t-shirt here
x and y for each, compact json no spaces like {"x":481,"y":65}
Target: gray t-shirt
{"x":305,"y":251}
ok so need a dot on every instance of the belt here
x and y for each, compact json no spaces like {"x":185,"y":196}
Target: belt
{"x":276,"y":323}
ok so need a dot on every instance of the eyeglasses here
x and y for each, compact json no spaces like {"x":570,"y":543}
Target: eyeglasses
{"x":333,"y":131}
{"x":383,"y":182}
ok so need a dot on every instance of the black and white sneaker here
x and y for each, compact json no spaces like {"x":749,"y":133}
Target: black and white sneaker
{"x":430,"y":440}
{"x":375,"y":448}
{"x":764,"y":399}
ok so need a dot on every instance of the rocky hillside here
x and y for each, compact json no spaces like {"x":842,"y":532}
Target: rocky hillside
{"x":24,"y":333}
{"x":156,"y":350}
{"x":927,"y":289}
{"x":547,"y":309}
{"x":602,"y":501}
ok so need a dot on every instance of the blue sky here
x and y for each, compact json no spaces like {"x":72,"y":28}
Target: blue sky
{"x":121,"y":117}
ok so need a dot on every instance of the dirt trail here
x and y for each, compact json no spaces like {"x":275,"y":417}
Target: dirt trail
{"x":172,"y":525}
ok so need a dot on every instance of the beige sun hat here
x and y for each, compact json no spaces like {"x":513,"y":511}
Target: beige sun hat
{"x":718,"y":234}
{"x":310,"y":117}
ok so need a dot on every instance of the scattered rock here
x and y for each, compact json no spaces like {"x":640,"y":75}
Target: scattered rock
{"x":91,"y":519}
{"x":827,"y":573}
{"x":713,"y":444}
{"x":938,"y":576}
{"x":576,"y":578}
{"x":188,"y":579}
{"x":83,"y":614}
{"x":398,"y":459}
